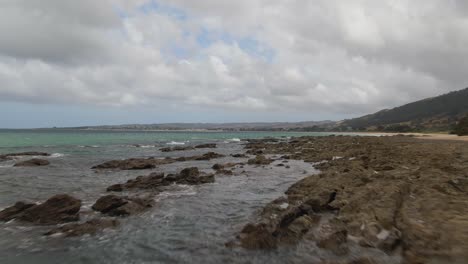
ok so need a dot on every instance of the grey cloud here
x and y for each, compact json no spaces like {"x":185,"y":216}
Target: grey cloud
{"x":340,"y":57}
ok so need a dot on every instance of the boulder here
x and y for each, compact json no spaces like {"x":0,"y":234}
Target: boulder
{"x":58,"y":209}
{"x":121,"y":205}
{"x":12,"y":212}
{"x":90,"y":227}
{"x":190,"y":176}
{"x":32,"y":163}
{"x":29,"y":153}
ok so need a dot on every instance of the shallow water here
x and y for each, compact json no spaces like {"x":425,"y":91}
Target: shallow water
{"x":188,"y":224}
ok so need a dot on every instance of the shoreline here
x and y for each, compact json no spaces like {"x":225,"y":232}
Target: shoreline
{"x":401,"y":196}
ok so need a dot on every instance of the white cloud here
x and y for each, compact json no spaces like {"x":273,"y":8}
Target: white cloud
{"x":342,"y":57}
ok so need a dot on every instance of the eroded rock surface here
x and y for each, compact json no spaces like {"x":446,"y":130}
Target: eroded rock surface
{"x":395,"y":194}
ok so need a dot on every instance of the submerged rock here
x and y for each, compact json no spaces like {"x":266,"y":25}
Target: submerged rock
{"x":209,"y":156}
{"x":209,"y":145}
{"x":90,"y":227}
{"x":121,"y":205}
{"x":32,"y":163}
{"x":177,"y":148}
{"x":151,"y":163}
{"x":58,"y":209}
{"x":260,"y":160}
{"x":133,"y":164}
{"x":30,"y":153}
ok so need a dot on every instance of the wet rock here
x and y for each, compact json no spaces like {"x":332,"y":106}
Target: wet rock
{"x":177,"y":148}
{"x":257,"y":237}
{"x":209,"y":145}
{"x":238,"y":155}
{"x":224,"y":172}
{"x":14,"y":211}
{"x":121,"y":205}
{"x":32,"y":163}
{"x":20,"y":154}
{"x":58,"y":209}
{"x":260,"y":160}
{"x":90,"y":227}
{"x":154,"y":181}
{"x":219,"y":166}
{"x":133,"y":164}
{"x":192,"y":176}
{"x":209,"y":156}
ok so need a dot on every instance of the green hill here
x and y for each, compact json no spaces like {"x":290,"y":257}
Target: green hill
{"x":439,"y":113}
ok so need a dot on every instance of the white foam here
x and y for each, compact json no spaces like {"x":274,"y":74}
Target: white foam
{"x":175,"y":143}
{"x":234,"y":139}
{"x":57,"y":155}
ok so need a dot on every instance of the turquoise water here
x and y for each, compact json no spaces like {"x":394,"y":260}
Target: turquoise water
{"x":52,"y":137}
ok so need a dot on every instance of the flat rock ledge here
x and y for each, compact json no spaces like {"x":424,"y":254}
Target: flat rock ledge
{"x":402,"y":196}
{"x":151,"y":163}
{"x":32,"y":163}
{"x":154,"y":181}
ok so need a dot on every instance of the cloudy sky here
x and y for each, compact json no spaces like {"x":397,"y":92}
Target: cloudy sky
{"x":68,"y":62}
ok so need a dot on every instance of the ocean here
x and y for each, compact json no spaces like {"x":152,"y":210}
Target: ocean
{"x":188,"y":224}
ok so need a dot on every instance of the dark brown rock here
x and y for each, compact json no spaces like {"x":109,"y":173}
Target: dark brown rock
{"x":90,"y":227}
{"x":133,"y":164}
{"x":12,"y":212}
{"x":58,"y":209}
{"x":121,"y":205}
{"x":209,"y":145}
{"x":32,"y":163}
{"x":238,"y":155}
{"x":257,"y":237}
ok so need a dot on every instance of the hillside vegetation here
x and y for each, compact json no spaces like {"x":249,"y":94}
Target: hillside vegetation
{"x":461,"y":128}
{"x":439,"y":113}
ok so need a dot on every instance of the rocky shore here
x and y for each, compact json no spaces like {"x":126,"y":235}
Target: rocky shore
{"x":403,"y":197}
{"x":406,"y":197}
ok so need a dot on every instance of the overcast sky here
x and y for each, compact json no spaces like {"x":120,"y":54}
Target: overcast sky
{"x":68,"y":62}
